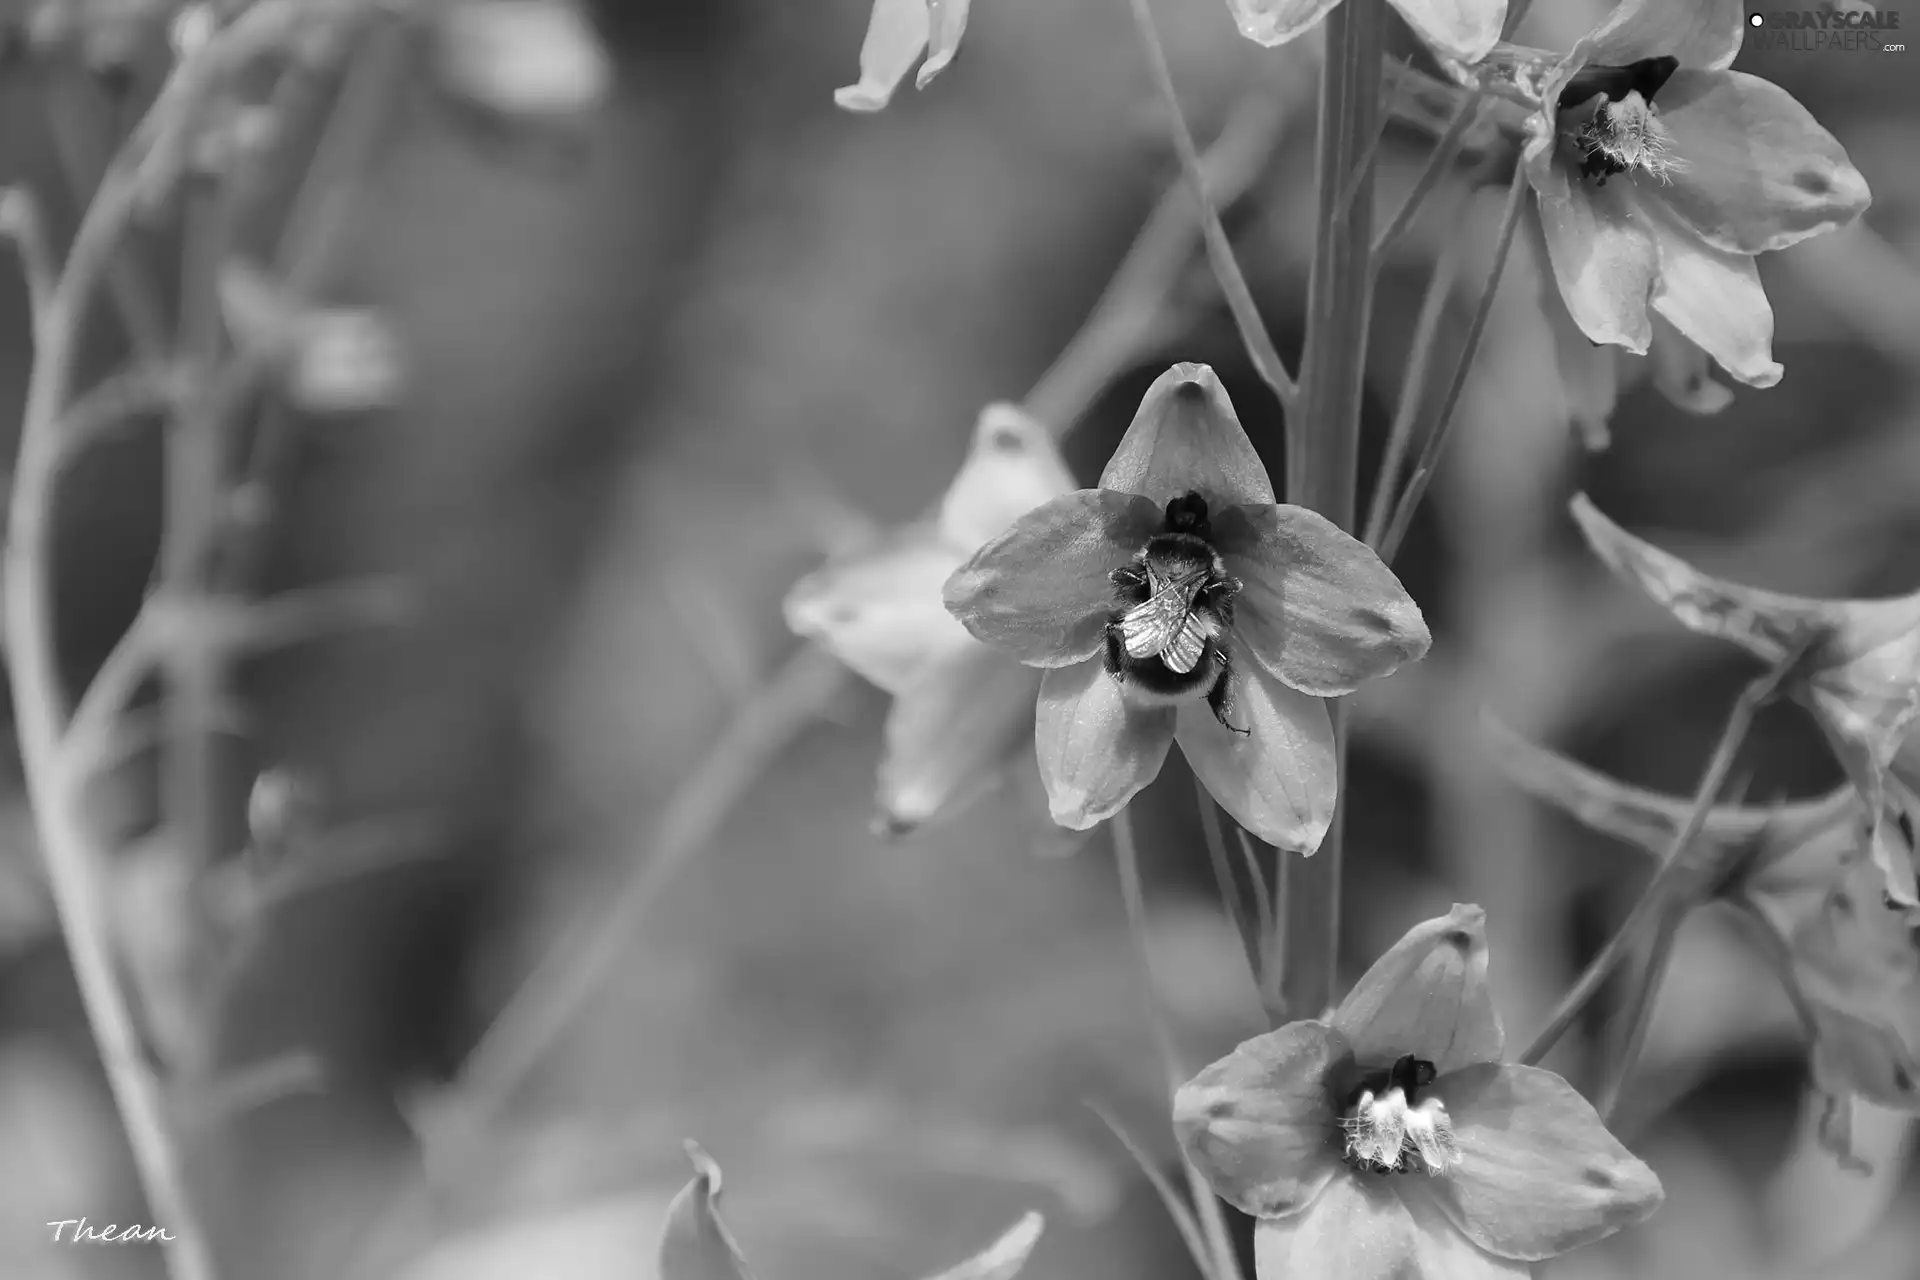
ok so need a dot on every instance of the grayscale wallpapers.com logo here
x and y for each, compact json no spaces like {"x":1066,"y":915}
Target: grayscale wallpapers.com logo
{"x":1855,"y":28}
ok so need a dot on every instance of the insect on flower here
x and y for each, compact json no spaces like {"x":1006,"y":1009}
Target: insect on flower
{"x":1319,"y":1128}
{"x":1179,"y":602}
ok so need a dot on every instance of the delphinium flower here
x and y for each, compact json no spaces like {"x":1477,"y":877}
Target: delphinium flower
{"x":697,"y":1244}
{"x":1660,"y":174}
{"x":1461,"y":28}
{"x":1392,"y":1143}
{"x":962,"y":714}
{"x":1178,"y":600}
{"x":1803,"y":872}
{"x":898,"y":33}
{"x":1858,"y":673}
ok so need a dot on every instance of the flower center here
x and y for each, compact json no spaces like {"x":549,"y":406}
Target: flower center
{"x":1391,"y":1129}
{"x":1622,"y":133}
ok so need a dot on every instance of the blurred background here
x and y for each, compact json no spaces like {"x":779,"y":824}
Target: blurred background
{"x":638,"y":328}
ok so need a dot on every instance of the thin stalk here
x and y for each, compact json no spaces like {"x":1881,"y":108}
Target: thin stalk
{"x":1226,"y":1264}
{"x":1246,"y":920}
{"x":1445,"y":150}
{"x":1226,"y":268}
{"x":1637,"y":1016}
{"x":1323,"y":441}
{"x":1436,"y":439}
{"x":1654,"y":897}
{"x":1177,"y":1209}
{"x":1413,"y":388}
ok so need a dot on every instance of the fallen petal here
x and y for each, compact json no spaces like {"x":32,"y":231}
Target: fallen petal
{"x":1317,"y":608}
{"x":1261,"y":1123}
{"x":896,"y":36}
{"x":1186,"y":438}
{"x":1759,"y":172}
{"x":1427,"y":996}
{"x":1012,"y":467}
{"x":1538,"y":1174}
{"x":879,"y":609}
{"x":1698,"y":33}
{"x":1042,"y":591}
{"x":1280,"y":778}
{"x":1096,"y":747}
{"x":952,"y":729}
{"x":1357,"y":1229}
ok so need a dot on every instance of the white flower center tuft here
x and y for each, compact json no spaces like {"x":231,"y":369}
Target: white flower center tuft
{"x":1624,"y":135}
{"x":1388,"y":1134}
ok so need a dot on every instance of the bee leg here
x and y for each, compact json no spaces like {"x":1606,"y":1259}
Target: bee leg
{"x":1116,"y":652}
{"x":1130,"y":580}
{"x":1219,"y":598}
{"x":1220,"y":698}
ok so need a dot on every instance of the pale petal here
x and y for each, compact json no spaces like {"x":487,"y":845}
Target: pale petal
{"x":1317,"y":607}
{"x":896,"y":37}
{"x":1187,"y":438}
{"x":1097,"y":748}
{"x":1271,"y":22}
{"x":1005,"y":1257}
{"x":1603,"y":260}
{"x":879,"y":610}
{"x":1012,"y":467}
{"x":1683,"y":374}
{"x":1041,"y":591}
{"x":952,"y":729}
{"x":1715,"y":299}
{"x":1427,"y":996}
{"x":1280,"y":778}
{"x":1539,"y":1174}
{"x":1260,"y":1123}
{"x":1699,"y":33}
{"x":1591,"y":376}
{"x":1357,"y":1229}
{"x":1443,"y":1253}
{"x":1767,"y":624}
{"x":1464,"y":29}
{"x":947,"y":23}
{"x":1759,"y":172}
{"x":696,"y":1244}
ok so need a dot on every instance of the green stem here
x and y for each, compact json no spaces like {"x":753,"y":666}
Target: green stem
{"x":1323,"y":440}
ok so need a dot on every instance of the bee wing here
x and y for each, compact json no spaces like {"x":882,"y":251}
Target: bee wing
{"x":1182,"y":650}
{"x":1149,"y":627}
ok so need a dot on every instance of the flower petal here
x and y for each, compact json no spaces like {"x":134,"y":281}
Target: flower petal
{"x":1715,"y":299}
{"x":1012,"y":467}
{"x":1317,"y":607}
{"x":896,"y":37}
{"x":1590,"y":374}
{"x":952,"y":729}
{"x":1097,"y":748}
{"x":879,"y":609}
{"x":1539,"y":1174}
{"x":1007,"y":1256}
{"x":1767,"y":624}
{"x":1699,"y":33}
{"x":947,"y":20}
{"x":697,"y":1244}
{"x":1272,"y":22}
{"x":1464,"y":29}
{"x":1759,"y":173}
{"x":1427,"y":996}
{"x":1357,"y":1229}
{"x":1041,"y":591}
{"x":1603,"y":260}
{"x":1186,"y":438}
{"x":1280,"y":778}
{"x":1261,"y":1124}
{"x":1443,"y":1252}
{"x":1682,"y":372}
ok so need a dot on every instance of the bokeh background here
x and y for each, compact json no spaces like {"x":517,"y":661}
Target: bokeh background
{"x":664,"y":352}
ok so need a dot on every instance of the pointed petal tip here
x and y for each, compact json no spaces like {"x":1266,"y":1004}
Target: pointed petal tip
{"x":862,"y":99}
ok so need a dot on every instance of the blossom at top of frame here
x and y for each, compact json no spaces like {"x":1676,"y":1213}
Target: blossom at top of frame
{"x":899,"y":32}
{"x":1803,"y":871}
{"x":1660,"y":173}
{"x":962,"y":715}
{"x":1179,"y":601}
{"x":1858,"y":673}
{"x":1392,"y":1141}
{"x":527,"y":59}
{"x":1464,"y":29}
{"x":697,"y":1244}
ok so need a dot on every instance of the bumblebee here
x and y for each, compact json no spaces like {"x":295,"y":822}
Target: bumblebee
{"x":1169,"y":638}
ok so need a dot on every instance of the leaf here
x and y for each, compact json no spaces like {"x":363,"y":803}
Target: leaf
{"x":696,"y":1244}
